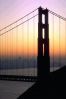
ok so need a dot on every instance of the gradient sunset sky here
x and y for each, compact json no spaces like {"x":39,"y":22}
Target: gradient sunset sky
{"x":11,"y":10}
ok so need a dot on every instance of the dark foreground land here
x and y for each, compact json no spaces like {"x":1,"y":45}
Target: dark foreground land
{"x":54,"y":87}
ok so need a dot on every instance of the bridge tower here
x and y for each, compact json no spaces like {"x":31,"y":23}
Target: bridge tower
{"x":43,"y":45}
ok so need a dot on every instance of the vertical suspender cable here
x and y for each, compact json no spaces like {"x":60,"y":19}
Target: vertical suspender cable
{"x":28,"y":47}
{"x":53,"y":43}
{"x":65,"y":42}
{"x":24,"y":61}
{"x":1,"y":53}
{"x":24,"y":49}
{"x":22,"y":54}
{"x":6,"y":52}
{"x":12,"y":48}
{"x":34,"y":43}
{"x":7,"y":56}
{"x":9,"y":50}
{"x":17,"y":50}
{"x":59,"y":45}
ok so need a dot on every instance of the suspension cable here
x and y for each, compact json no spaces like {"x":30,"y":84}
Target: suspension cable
{"x":57,"y":15}
{"x":18,"y":25}
{"x":18,"y":20}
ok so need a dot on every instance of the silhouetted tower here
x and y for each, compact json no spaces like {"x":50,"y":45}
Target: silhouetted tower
{"x":43,"y":45}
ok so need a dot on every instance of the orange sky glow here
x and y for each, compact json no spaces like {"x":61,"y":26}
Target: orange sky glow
{"x":22,"y":41}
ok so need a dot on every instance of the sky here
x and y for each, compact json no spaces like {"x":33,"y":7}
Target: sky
{"x":11,"y":10}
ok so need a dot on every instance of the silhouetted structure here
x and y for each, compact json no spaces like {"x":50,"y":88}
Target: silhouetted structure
{"x":49,"y":84}
{"x":40,"y":88}
{"x":43,"y":45}
{"x":46,"y":82}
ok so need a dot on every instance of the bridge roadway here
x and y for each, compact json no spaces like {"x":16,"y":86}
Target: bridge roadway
{"x":13,"y":89}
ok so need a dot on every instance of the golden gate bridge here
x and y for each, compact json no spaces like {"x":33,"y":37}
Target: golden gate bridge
{"x":33,"y":46}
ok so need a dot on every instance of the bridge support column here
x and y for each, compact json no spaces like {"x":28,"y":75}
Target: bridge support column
{"x":43,"y":60}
